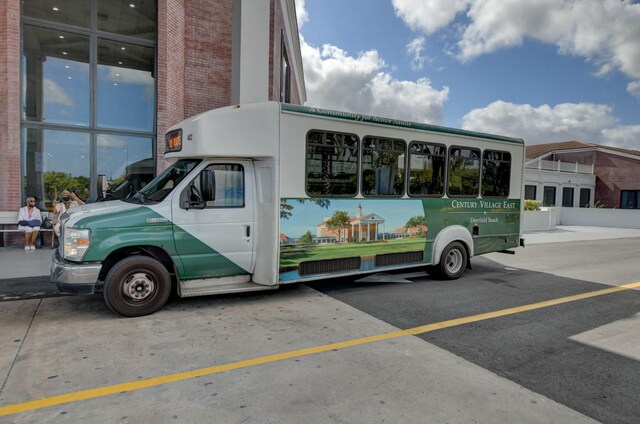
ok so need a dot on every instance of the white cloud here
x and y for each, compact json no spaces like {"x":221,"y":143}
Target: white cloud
{"x":625,"y":136}
{"x":301,"y":13}
{"x":634,"y":88}
{"x":429,"y":15}
{"x":593,"y":123}
{"x":53,"y":93}
{"x":336,"y":80}
{"x":605,"y":32}
{"x":414,"y":49}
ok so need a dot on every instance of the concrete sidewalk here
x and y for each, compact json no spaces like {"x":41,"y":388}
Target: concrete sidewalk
{"x":403,"y":379}
{"x":15,"y":262}
{"x":566,"y":233}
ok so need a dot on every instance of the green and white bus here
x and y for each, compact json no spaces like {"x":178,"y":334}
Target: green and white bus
{"x":267,"y":194}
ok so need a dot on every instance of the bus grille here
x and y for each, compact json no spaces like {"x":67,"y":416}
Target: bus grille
{"x":399,"y":258}
{"x":329,"y":265}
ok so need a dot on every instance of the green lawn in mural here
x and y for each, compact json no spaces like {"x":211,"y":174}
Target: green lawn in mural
{"x":291,"y":256}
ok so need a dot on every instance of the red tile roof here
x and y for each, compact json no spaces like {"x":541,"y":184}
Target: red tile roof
{"x":536,"y":150}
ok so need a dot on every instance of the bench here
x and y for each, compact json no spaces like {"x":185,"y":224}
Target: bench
{"x":11,"y":219}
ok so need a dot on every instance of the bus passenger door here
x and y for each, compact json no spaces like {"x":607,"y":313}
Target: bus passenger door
{"x":214,"y":223}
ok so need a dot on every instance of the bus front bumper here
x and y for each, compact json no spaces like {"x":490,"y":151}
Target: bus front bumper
{"x":74,"y":278}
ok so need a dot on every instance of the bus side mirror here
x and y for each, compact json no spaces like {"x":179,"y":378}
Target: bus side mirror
{"x":208,"y":185}
{"x":102,"y":187}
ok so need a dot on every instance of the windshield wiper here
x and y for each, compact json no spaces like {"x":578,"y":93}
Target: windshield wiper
{"x":139,"y":197}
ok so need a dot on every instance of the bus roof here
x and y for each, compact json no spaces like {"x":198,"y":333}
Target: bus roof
{"x":348,"y":116}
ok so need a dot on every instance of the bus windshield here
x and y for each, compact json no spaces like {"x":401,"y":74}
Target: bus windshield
{"x":160,"y":187}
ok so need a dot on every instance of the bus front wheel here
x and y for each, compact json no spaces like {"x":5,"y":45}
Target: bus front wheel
{"x":137,"y":286}
{"x":453,"y":262}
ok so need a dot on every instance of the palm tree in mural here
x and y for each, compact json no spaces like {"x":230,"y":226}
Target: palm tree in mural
{"x":415,"y":222}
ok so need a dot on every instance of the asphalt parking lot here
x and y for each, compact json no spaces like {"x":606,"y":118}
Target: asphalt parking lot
{"x":481,"y":349}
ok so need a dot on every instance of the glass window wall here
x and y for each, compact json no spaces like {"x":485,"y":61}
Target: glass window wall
{"x":55,"y":76}
{"x":88,"y":97}
{"x":54,"y":161}
{"x":125,"y":78}
{"x":124,"y":164}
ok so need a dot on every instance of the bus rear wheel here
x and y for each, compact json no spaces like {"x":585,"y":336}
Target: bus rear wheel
{"x":137,"y":286}
{"x":453,"y":262}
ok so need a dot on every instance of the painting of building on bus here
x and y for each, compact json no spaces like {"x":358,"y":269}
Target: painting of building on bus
{"x":339,"y":228}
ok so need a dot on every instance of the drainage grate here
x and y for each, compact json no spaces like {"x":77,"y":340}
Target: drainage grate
{"x":329,"y":265}
{"x":399,"y":258}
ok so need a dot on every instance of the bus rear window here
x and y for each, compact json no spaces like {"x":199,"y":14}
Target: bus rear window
{"x":496,"y":172}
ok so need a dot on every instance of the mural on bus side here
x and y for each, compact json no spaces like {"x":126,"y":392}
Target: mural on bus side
{"x":317,"y":229}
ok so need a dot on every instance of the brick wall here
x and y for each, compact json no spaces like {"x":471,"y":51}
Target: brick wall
{"x":170,"y":78}
{"x":614,"y":174}
{"x":194,"y":61}
{"x":10,"y":106}
{"x":207,"y":55}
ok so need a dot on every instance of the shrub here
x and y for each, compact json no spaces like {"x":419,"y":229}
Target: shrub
{"x":532,"y":205}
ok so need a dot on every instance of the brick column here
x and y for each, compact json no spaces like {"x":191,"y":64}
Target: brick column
{"x":170,"y":77}
{"x":10,"y":106}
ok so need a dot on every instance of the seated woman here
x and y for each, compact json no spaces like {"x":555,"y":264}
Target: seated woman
{"x":29,"y":221}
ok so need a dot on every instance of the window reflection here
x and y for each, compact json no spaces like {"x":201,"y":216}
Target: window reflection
{"x":382,"y":166}
{"x":134,"y":18}
{"x":79,"y":83}
{"x":125,"y":78}
{"x":464,"y":171}
{"x":55,"y":76}
{"x":71,"y":12}
{"x":54,"y":161}
{"x":427,"y":165}
{"x":126,"y":164}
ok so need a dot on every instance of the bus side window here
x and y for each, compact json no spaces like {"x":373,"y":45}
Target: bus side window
{"x":464,"y":172}
{"x":229,"y":187}
{"x":426,"y":169}
{"x":331,"y":164}
{"x":496,"y":172}
{"x":383,"y":166}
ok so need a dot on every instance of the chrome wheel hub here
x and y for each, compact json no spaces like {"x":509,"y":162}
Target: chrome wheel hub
{"x":454,"y":261}
{"x":138,"y":286}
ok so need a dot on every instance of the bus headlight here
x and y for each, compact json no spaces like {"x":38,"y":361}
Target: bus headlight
{"x":76,"y":243}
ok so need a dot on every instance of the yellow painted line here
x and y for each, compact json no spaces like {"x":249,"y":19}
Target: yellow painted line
{"x":172,"y":378}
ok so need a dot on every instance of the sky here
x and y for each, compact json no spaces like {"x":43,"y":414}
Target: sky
{"x":542,"y":70}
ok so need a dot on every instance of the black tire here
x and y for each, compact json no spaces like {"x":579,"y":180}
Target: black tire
{"x":433,"y":270}
{"x":453,"y":262}
{"x":137,"y":286}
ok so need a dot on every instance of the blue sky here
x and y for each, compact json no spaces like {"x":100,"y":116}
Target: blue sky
{"x":543,"y":70}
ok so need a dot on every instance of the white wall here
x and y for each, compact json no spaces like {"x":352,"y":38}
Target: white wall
{"x":540,"y":220}
{"x":600,"y":217}
{"x":590,"y":217}
{"x":542,"y":178}
{"x":250,"y":51}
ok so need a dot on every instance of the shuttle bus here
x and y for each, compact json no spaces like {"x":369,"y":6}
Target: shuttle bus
{"x":266,"y":194}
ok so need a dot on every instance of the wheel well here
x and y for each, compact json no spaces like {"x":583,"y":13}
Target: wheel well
{"x":449,"y":235}
{"x":151,"y":251}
